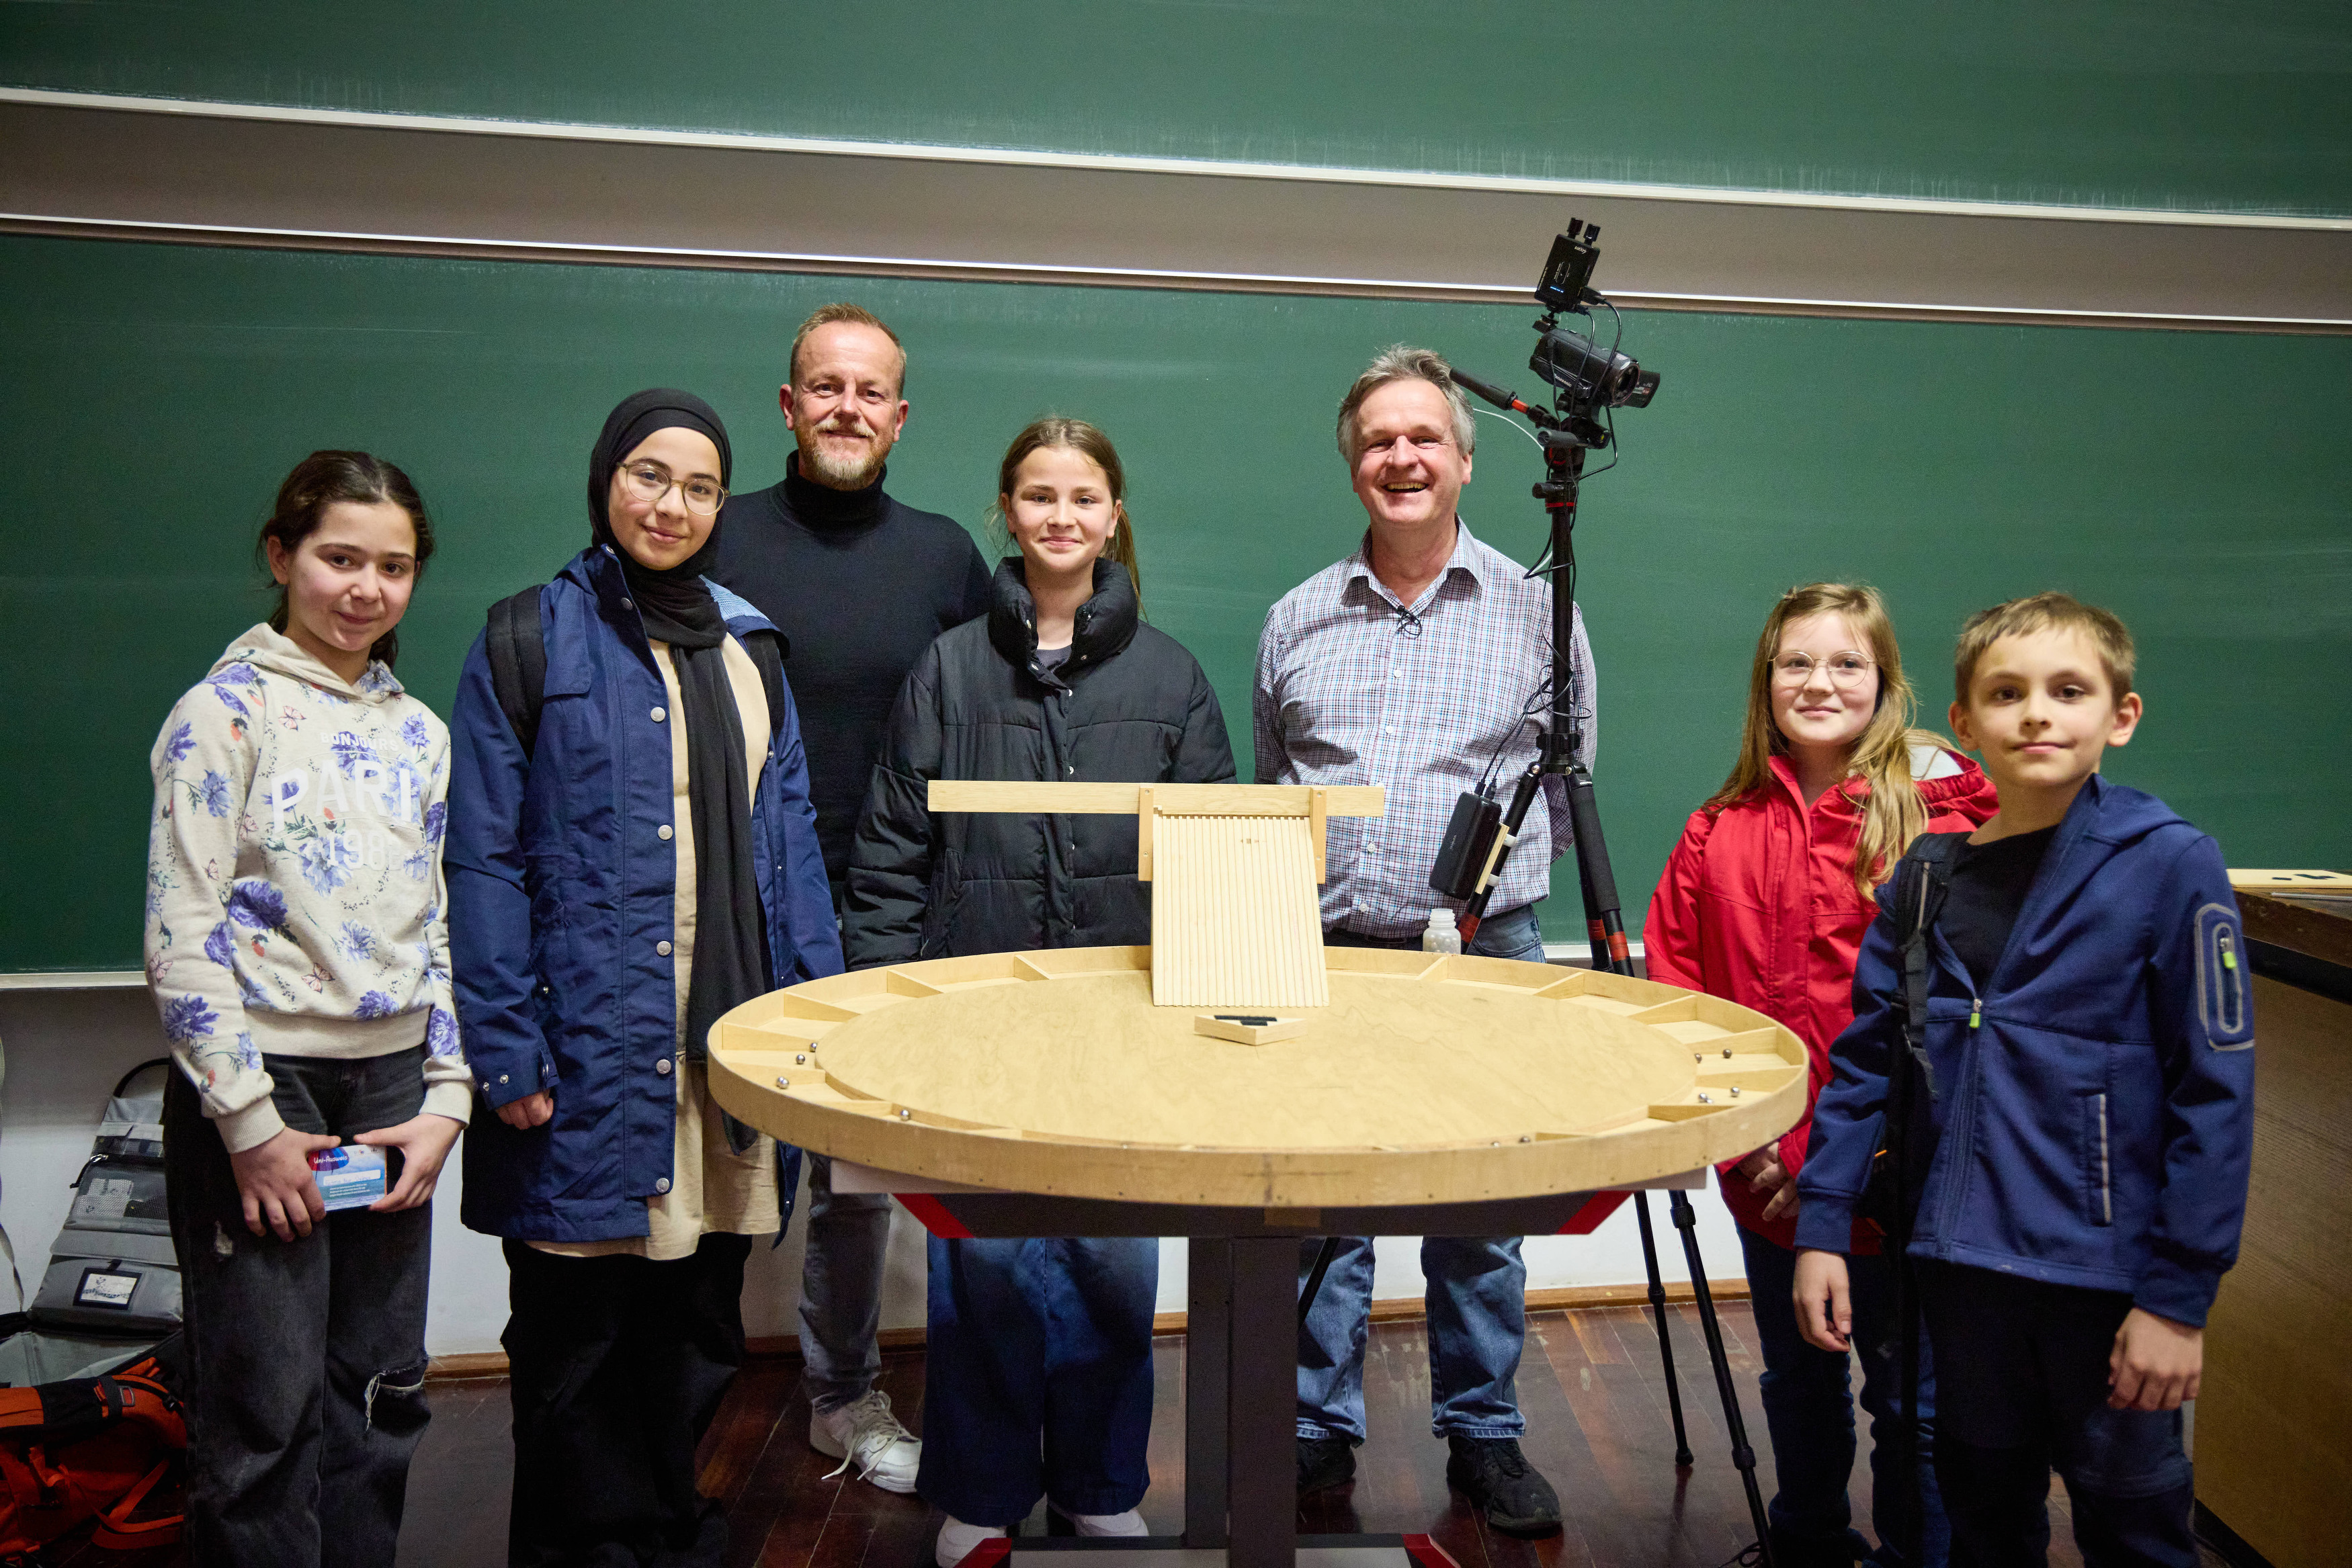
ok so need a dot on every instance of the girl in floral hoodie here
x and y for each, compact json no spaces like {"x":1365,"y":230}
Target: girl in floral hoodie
{"x":298,"y":953}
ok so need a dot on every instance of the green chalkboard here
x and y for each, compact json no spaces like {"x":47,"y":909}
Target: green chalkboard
{"x":2152,"y":103}
{"x":2196,"y":483}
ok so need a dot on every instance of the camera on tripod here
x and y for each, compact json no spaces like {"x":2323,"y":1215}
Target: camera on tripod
{"x":1586,"y":377}
{"x":1586,"y":381}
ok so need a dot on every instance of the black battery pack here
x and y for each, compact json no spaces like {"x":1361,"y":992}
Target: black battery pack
{"x":1462,"y":856}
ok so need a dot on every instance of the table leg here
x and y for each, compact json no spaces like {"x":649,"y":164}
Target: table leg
{"x":1262,"y":1412}
{"x":1208,"y":1353}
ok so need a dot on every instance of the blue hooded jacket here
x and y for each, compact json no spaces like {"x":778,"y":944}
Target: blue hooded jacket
{"x":561,"y":913}
{"x":2094,"y":1096}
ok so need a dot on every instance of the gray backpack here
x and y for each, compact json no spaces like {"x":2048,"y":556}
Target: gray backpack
{"x":112,"y":1269}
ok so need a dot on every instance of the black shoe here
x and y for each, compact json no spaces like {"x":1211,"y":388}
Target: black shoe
{"x":1493,"y":1474}
{"x":1325,"y":1462}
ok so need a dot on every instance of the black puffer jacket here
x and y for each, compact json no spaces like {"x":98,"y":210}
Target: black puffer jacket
{"x":1128,"y":706}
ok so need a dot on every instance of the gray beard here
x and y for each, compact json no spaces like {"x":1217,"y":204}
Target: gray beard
{"x":836,"y":475}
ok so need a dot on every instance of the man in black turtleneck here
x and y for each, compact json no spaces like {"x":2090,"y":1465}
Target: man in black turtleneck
{"x":859,"y":585}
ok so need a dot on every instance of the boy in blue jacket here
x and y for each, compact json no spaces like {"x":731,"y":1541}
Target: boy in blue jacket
{"x":2090,"y":1051}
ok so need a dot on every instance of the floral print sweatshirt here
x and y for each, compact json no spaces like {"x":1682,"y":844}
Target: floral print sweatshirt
{"x":294,"y":893}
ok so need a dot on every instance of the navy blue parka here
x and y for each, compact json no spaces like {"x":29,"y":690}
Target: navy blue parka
{"x":561,"y":901}
{"x":2093,"y":1094}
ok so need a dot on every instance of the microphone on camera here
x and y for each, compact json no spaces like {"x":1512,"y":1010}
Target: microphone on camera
{"x":1489,"y":390}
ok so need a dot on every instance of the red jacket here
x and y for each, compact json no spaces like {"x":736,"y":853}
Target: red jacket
{"x":1757,"y":906}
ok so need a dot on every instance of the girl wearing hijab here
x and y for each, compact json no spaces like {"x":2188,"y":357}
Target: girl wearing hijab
{"x":648,"y":864}
{"x":1038,"y":1378}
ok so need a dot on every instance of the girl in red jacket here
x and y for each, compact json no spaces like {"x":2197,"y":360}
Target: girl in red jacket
{"x":1764,"y":902}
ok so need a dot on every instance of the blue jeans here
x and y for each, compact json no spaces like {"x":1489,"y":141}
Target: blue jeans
{"x":1809,"y":1409}
{"x":847,"y":1237}
{"x":1037,"y":1376}
{"x":1476,"y":1291}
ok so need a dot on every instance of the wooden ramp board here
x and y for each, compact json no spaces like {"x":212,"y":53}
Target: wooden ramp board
{"x":1235,"y":918}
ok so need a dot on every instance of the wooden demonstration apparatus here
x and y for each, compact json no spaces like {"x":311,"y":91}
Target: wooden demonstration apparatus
{"x":1377,"y":1076}
{"x":1239,"y":1084}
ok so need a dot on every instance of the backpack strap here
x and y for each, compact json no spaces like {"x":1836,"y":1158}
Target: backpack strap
{"x":118,"y":1531}
{"x":1921,"y":879}
{"x":517,"y":646}
{"x":124,"y":1081}
{"x":767,"y":651}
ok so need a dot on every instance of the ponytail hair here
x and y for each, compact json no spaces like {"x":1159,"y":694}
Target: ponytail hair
{"x":1892,"y":812}
{"x":317,"y":481}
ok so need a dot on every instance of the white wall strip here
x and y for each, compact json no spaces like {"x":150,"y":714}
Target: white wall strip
{"x":252,"y":175}
{"x":1028,"y":158}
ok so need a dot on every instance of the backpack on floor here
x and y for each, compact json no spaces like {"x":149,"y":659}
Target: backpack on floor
{"x":93,"y":1448}
{"x":112,"y":1269}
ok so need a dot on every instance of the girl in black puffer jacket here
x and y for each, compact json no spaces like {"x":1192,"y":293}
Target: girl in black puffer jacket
{"x":1061,"y":681}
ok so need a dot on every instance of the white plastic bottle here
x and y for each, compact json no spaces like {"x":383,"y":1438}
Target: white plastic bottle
{"x":1442,"y":936}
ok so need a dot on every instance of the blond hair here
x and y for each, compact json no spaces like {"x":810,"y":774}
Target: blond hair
{"x":857,"y":316}
{"x":1091,"y":443}
{"x":2044,"y":613}
{"x":1403,"y":362}
{"x":1893,"y":814}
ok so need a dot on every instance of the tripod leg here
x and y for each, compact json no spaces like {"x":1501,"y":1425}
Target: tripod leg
{"x":1665,"y":1345}
{"x":1742,"y":1455}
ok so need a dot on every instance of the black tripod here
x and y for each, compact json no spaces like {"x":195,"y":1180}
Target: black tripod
{"x":1565,"y":437}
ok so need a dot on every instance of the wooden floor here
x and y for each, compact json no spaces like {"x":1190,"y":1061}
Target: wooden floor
{"x":1589,"y":1387}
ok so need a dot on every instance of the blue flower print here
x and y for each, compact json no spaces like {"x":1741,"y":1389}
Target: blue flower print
{"x":398,"y":789}
{"x":418,"y":865}
{"x":373,"y":1005}
{"x":415,"y":731}
{"x":441,"y":1034}
{"x":377,"y":679}
{"x":220,"y":944}
{"x":254,"y":903}
{"x":182,"y":741}
{"x":436,"y":821}
{"x":225,"y":683}
{"x":356,"y":940}
{"x":246,"y":1052}
{"x":189,"y":1018}
{"x":323,"y":864}
{"x":350,"y":752}
{"x":213,"y":794}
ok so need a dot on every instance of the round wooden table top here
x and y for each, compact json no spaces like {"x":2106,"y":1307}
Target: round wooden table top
{"x":1427,"y":1080}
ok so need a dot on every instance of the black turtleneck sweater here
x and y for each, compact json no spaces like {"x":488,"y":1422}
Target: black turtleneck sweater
{"x":859,"y":585}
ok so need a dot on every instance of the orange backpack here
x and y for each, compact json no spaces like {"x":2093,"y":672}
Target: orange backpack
{"x":91,"y":1447}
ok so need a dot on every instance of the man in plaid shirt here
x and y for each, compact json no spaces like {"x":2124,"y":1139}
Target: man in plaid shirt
{"x":1422,"y":663}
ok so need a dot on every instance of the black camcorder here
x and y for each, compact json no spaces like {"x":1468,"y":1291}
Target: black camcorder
{"x":1588,"y":376}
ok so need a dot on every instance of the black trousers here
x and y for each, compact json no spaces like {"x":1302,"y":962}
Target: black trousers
{"x":2021,"y":1387}
{"x":306,"y":1358}
{"x":618,"y":1366}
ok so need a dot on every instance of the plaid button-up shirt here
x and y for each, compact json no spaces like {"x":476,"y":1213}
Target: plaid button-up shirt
{"x":1354,"y":687}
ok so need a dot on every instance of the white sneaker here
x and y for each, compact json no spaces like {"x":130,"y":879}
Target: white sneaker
{"x":958,"y":1539}
{"x":1128,"y":1523}
{"x":864,"y":1433}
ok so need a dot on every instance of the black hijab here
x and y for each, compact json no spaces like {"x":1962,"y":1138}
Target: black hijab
{"x":731,"y":944}
{"x":677,"y":607}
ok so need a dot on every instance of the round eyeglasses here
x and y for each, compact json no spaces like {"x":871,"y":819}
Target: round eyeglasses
{"x":650,"y":482}
{"x":1846,"y":670}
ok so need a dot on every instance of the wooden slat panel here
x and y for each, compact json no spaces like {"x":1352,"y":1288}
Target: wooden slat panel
{"x":1234,"y":915}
